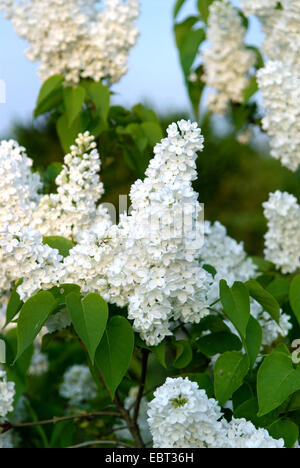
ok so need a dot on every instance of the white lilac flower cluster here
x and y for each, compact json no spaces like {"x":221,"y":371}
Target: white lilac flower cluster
{"x":279,"y":79}
{"x":28,"y":216}
{"x":281,"y":97}
{"x":76,"y":38}
{"x":7,"y":394}
{"x":25,"y":256}
{"x":239,"y":433}
{"x":182,"y":416}
{"x":230,"y":261}
{"x":226,"y":256}
{"x":258,"y":7}
{"x":149,"y":261}
{"x":227,"y":61}
{"x":74,"y":207}
{"x":39,"y":363}
{"x":282,"y":240}
{"x":78,"y":385}
{"x":271,"y":330}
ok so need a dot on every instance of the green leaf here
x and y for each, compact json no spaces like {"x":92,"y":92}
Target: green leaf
{"x":145,"y":114}
{"x":263,"y":265}
{"x":203,"y":7}
{"x":17,"y":372}
{"x":160,"y":353}
{"x":62,"y":244}
{"x":253,"y":340}
{"x":229,"y":372}
{"x":190,"y":48}
{"x":276,"y":381}
{"x":100,"y":96}
{"x":68,"y":135}
{"x":182,"y":29}
{"x":265,"y":299}
{"x":294,"y":404}
{"x":114,"y":353}
{"x":138,"y":136}
{"x":178,"y":6}
{"x":152,"y":132}
{"x":61,"y":292}
{"x":50,"y":95}
{"x":204,"y":382}
{"x":195,"y":90}
{"x":184,"y":354}
{"x":284,"y":429}
{"x":236,"y":304}
{"x":73,"y":99}
{"x":14,"y":305}
{"x":295,"y":297}
{"x":251,"y":90}
{"x":249,"y":409}
{"x":279,"y":288}
{"x":218,"y":343}
{"x":33,"y":315}
{"x":89,"y":318}
{"x":211,"y":322}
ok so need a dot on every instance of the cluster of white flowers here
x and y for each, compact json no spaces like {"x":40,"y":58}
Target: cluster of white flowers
{"x":279,"y":79}
{"x":73,"y":208}
{"x":39,"y":363}
{"x":76,"y":38}
{"x":281,"y":96}
{"x":182,"y":416}
{"x":226,"y":256}
{"x":25,"y":256}
{"x":271,"y":330}
{"x":239,"y":433}
{"x":7,"y":394}
{"x":19,"y":187}
{"x":258,"y":7}
{"x":149,"y":261}
{"x":227,"y":61}
{"x":282,"y":36}
{"x":231,"y":263}
{"x":27,"y":216}
{"x":78,"y":385}
{"x":282,"y":240}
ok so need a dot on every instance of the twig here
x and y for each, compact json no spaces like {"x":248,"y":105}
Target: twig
{"x":133,"y":427}
{"x":7,"y":425}
{"x":145,"y":354}
{"x":100,"y":442}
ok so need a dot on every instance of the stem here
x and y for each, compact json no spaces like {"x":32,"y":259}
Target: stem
{"x":145,"y":354}
{"x":132,"y":426}
{"x":7,"y":425}
{"x":100,"y":442}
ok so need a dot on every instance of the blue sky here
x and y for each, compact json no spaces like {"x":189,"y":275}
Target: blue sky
{"x":154,"y":71}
